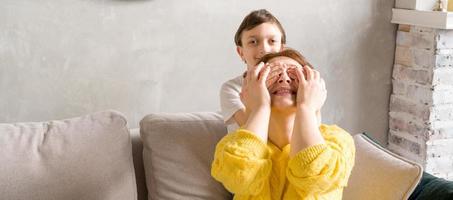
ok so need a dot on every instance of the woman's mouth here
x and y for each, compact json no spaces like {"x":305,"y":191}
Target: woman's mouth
{"x":283,"y":92}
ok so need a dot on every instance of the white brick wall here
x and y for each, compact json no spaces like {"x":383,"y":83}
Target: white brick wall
{"x":421,"y":104}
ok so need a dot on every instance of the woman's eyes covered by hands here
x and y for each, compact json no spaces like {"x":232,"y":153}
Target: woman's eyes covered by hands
{"x":277,"y":69}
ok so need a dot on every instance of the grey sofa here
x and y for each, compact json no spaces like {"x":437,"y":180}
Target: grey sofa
{"x":97,"y":157}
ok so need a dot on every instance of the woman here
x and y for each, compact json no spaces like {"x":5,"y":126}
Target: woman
{"x":282,"y":152}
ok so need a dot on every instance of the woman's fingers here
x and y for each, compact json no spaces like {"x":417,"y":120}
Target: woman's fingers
{"x":323,"y":84}
{"x":316,"y":75}
{"x":309,"y":71}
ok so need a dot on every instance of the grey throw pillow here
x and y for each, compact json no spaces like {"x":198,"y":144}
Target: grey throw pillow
{"x":178,"y":150}
{"x":88,"y":157}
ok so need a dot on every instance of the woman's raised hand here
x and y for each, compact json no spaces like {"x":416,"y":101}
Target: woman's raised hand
{"x":255,"y":94}
{"x":312,"y":92}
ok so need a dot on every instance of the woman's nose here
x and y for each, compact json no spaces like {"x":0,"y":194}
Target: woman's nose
{"x":284,"y":77}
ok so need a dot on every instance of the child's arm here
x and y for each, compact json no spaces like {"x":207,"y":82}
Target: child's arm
{"x":232,"y":108}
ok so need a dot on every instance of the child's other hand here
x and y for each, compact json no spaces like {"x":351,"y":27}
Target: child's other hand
{"x":312,"y":91}
{"x":255,"y":94}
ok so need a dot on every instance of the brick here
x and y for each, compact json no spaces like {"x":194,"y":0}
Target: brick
{"x":408,"y":145}
{"x":420,"y":159}
{"x":439,"y":147}
{"x":442,"y":113}
{"x":442,"y":133}
{"x":423,"y":40}
{"x":399,"y":104}
{"x":415,"y":57}
{"x":444,"y":39}
{"x":404,"y":27}
{"x":403,"y":39}
{"x":424,"y":58}
{"x":444,"y":60}
{"x":442,"y":97}
{"x":421,"y":94}
{"x":420,"y":76}
{"x":420,"y":29}
{"x":398,"y":87}
{"x":443,"y":76}
{"x":410,"y":117}
{"x":417,"y":131}
{"x":441,"y":164}
{"x":403,"y":56}
{"x":418,"y":93}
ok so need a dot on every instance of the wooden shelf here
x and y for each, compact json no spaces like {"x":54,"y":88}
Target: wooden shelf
{"x":431,"y":19}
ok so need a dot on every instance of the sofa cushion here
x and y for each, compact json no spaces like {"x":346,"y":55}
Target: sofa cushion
{"x":178,"y":151}
{"x":88,"y":157}
{"x":380,"y":174}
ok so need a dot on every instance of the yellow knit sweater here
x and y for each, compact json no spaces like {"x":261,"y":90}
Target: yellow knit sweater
{"x":251,"y":169}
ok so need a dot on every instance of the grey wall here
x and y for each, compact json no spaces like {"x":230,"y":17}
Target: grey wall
{"x":61,"y":59}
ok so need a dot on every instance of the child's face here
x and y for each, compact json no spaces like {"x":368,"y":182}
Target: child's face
{"x":264,"y":38}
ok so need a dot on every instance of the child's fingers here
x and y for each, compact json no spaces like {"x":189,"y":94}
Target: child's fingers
{"x":264,"y":74}
{"x":271,"y":80}
{"x":292,"y":73}
{"x":273,"y":75}
{"x":274,"y":71}
{"x":256,"y":70}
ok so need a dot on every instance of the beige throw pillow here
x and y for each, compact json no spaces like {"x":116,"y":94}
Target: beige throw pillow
{"x":380,"y":174}
{"x":88,"y":157}
{"x":177,"y":152}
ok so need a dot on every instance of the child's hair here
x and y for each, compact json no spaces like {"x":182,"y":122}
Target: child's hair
{"x":287,"y":52}
{"x":256,"y":18}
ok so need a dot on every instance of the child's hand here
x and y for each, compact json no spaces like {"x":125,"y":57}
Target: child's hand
{"x":275,"y":71}
{"x":254,"y":93}
{"x":312,"y":91}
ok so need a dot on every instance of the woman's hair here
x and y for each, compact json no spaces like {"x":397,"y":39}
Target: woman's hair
{"x":256,"y":18}
{"x":287,"y":52}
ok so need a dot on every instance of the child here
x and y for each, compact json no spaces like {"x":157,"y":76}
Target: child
{"x":259,"y":33}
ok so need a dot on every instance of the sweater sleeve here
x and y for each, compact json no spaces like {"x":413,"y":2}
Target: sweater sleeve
{"x":242,"y":163}
{"x":324,"y":167}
